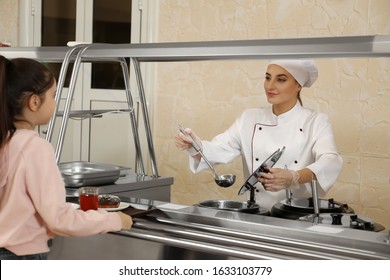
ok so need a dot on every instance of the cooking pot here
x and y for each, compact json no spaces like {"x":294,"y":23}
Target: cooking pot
{"x":294,"y":208}
{"x":231,"y":205}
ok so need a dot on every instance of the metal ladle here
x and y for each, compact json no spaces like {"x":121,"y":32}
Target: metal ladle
{"x":223,"y":181}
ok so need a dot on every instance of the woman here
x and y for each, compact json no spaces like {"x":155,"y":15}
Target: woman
{"x":32,"y":193}
{"x":307,"y":135}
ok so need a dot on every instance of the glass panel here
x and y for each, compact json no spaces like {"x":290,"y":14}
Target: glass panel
{"x":58,"y":22}
{"x":58,"y":27}
{"x":111,"y":24}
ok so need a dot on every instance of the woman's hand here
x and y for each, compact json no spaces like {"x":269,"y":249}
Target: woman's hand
{"x":184,"y":142}
{"x":278,"y":179}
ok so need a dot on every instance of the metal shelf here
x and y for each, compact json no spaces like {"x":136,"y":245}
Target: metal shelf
{"x":357,"y":46}
{"x":86,"y":114}
{"x":324,"y":47}
{"x":43,"y":54}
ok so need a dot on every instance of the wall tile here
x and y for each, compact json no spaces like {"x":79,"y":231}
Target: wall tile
{"x":9,"y":21}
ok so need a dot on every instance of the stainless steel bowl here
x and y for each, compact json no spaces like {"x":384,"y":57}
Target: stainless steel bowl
{"x":231,"y":205}
{"x":79,"y":173}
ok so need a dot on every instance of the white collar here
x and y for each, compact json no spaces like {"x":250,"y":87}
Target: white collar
{"x":288,"y":116}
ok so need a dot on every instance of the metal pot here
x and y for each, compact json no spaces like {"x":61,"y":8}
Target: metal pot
{"x":297,"y":207}
{"x":231,"y":205}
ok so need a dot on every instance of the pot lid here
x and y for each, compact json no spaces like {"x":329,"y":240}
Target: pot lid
{"x":269,"y":162}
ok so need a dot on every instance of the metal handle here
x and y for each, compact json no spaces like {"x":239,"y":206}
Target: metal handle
{"x":199,"y":150}
{"x":193,"y":143}
{"x":315,"y":201}
{"x":288,"y":196}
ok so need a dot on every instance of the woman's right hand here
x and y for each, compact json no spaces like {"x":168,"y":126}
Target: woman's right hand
{"x":126,"y":220}
{"x":184,"y":142}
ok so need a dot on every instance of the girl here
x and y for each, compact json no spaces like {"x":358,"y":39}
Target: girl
{"x":257,"y":133}
{"x":32,"y":193}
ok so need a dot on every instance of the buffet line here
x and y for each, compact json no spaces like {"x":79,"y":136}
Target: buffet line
{"x":164,"y":230}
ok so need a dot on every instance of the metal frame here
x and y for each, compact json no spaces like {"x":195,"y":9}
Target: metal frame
{"x":76,"y":53}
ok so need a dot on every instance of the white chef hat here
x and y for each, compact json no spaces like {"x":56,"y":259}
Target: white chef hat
{"x":305,"y":72}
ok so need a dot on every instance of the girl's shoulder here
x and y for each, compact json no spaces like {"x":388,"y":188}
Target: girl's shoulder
{"x":26,"y":135}
{"x":29,"y":140}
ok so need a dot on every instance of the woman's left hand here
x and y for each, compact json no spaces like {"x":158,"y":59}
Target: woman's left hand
{"x":277,"y":179}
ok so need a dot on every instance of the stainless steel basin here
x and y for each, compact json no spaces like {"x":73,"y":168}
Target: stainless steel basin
{"x":231,"y":205}
{"x":80,"y":173}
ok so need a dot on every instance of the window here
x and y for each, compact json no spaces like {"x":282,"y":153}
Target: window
{"x":58,"y":28}
{"x":110,"y":23}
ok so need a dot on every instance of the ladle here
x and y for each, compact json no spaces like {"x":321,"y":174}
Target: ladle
{"x":223,"y":181}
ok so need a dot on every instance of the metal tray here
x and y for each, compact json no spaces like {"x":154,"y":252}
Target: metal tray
{"x":81,"y":173}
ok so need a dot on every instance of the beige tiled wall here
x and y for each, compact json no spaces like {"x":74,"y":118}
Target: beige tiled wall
{"x":208,"y":96}
{"x":9,"y":21}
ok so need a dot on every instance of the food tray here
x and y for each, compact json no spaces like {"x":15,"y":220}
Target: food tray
{"x":82,"y":173}
{"x":139,"y":210}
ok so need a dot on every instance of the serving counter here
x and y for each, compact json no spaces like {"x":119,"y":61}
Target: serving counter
{"x":172,"y":231}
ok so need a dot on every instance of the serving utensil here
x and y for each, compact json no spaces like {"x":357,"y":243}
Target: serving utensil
{"x":223,"y":181}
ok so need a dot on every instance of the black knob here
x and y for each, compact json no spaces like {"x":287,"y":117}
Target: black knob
{"x":331,"y":203}
{"x":360,"y":223}
{"x":336,"y":218}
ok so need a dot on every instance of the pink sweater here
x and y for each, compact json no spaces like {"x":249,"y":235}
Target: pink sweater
{"x":32,"y":199}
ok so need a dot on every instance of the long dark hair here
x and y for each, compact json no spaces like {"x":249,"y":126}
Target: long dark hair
{"x":19,"y":79}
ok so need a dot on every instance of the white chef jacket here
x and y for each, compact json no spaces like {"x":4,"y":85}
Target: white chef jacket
{"x":257,"y":133}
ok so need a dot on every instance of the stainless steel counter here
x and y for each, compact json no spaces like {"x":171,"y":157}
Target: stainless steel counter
{"x":190,"y":232}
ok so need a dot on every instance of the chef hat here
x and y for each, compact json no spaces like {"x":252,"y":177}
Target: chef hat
{"x":305,"y":72}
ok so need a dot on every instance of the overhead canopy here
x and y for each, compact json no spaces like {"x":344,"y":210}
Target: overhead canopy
{"x":324,"y":47}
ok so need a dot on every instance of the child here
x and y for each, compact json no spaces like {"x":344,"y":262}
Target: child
{"x":33,"y":206}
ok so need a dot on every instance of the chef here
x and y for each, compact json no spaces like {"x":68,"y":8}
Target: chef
{"x":310,"y":149}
